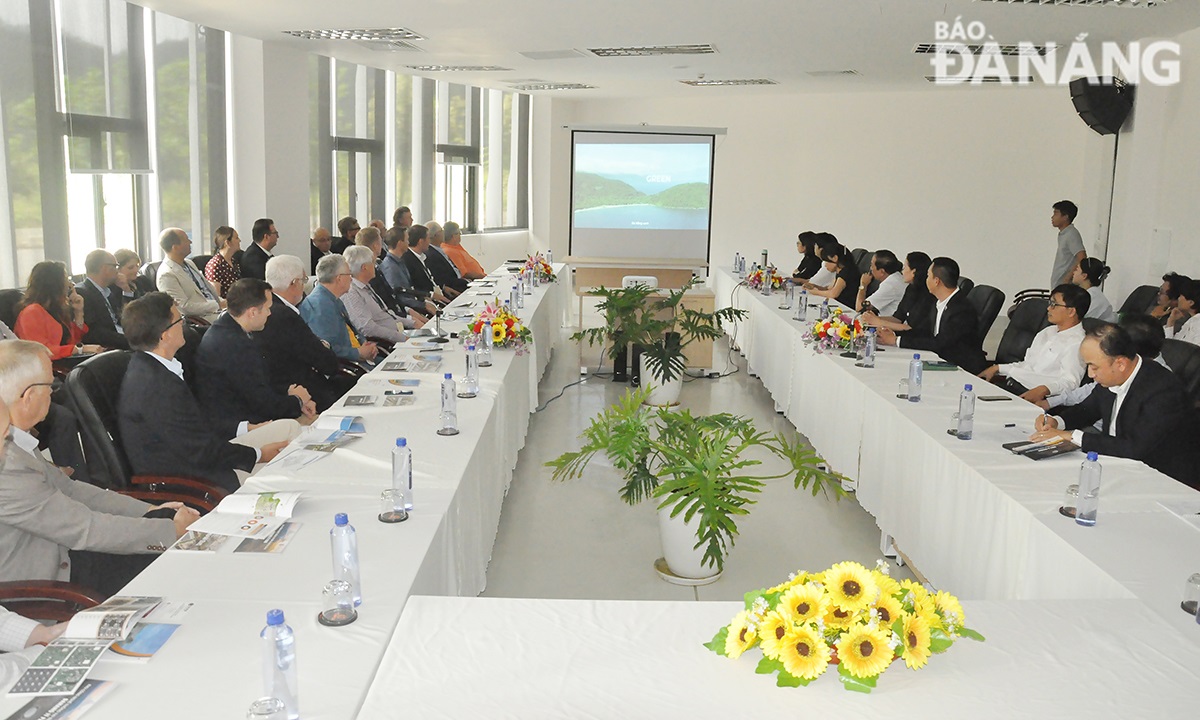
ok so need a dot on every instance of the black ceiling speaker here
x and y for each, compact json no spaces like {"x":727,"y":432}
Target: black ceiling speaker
{"x":1102,"y":103}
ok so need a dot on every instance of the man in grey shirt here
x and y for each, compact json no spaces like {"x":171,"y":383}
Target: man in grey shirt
{"x":1070,"y":243}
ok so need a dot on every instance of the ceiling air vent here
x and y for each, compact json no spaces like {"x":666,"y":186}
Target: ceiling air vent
{"x":459,"y":68}
{"x":963,"y":48}
{"x":1108,"y":3}
{"x":361,"y":35}
{"x":644,"y":50}
{"x":834,"y":73}
{"x":990,"y":80}
{"x":553,"y":54}
{"x":535,"y":87}
{"x":389,"y":46}
{"x":723,"y":83}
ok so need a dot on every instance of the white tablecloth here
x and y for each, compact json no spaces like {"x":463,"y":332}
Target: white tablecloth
{"x":210,"y":667}
{"x":531,"y":659}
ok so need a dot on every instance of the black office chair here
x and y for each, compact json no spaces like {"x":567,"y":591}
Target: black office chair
{"x":1184,"y":360}
{"x":201,"y":262}
{"x":1026,"y":320}
{"x":987,"y":302}
{"x":1025,"y":295}
{"x":8,"y":306}
{"x":862,"y":259}
{"x":1139,"y":300}
{"x":965,"y":284}
{"x":150,"y":271}
{"x":93,"y":389}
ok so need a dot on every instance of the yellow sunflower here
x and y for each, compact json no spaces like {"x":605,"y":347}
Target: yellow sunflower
{"x":889,"y":610}
{"x":865,"y":652}
{"x":887,"y":586}
{"x":804,"y":653}
{"x":850,"y":586}
{"x":915,"y":636}
{"x":771,"y":632}
{"x":741,"y":636}
{"x":797,"y":578}
{"x":498,"y":332}
{"x":950,"y":610}
{"x":839,"y":619}
{"x":803,"y":603}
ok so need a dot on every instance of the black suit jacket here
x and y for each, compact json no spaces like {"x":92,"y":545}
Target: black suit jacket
{"x":422,"y":279}
{"x":254,"y":262}
{"x":295,"y":355}
{"x":1155,"y":425}
{"x":339,"y":245}
{"x":164,"y":431}
{"x":101,"y":329}
{"x":443,"y":271}
{"x":232,"y":380}
{"x":315,"y":256}
{"x":957,"y":339}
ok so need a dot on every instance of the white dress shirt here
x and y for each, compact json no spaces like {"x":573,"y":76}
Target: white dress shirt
{"x":369,"y":314}
{"x":823,"y":277}
{"x":1052,"y":360}
{"x":1190,"y":332}
{"x":886,"y":299}
{"x":24,"y":440}
{"x":1119,"y":392}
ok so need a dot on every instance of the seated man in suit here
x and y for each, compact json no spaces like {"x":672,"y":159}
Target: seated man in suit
{"x":955,"y":327}
{"x":179,"y":278}
{"x":232,"y":381}
{"x":439,"y":263}
{"x":368,"y":312}
{"x":1143,"y":409}
{"x":399,"y":303}
{"x":394,"y":271}
{"x":162,"y":428}
{"x":325,"y":314}
{"x":294,"y":355}
{"x":1052,"y":365}
{"x":414,"y":260}
{"x":102,"y":301}
{"x":254,"y":259}
{"x":318,"y":248}
{"x":348,"y":227}
{"x":55,"y":528}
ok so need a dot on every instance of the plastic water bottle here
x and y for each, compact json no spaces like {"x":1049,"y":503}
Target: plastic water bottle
{"x":789,"y":296}
{"x":1089,"y":490}
{"x":549,"y":256}
{"x":825,"y":309}
{"x":471,"y":380}
{"x":512,"y":296}
{"x":345,"y":555}
{"x":279,"y":663}
{"x":768,"y":279}
{"x":737,"y":259}
{"x":522,"y":291}
{"x":966,"y":413}
{"x":764,"y":258}
{"x":914,"y":378}
{"x":869,"y":352}
{"x":402,"y":475}
{"x":802,"y":306}
{"x":485,"y":348}
{"x":449,"y":406}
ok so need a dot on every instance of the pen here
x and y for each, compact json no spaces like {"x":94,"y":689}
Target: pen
{"x":1008,"y":425}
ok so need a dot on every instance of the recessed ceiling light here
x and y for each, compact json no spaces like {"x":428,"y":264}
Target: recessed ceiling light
{"x":459,"y":68}
{"x":534,"y":87}
{"x":569,"y":54}
{"x":719,"y":83}
{"x":989,"y":79}
{"x":644,"y":50}
{"x":1109,"y":3}
{"x":988,"y":49}
{"x":833,"y":73}
{"x":360,"y":34}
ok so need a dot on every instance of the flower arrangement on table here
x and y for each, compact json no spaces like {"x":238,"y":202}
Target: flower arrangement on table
{"x":755,"y":279}
{"x":537,"y":264}
{"x":857,"y":619}
{"x":506,"y":329}
{"x":837,"y":332}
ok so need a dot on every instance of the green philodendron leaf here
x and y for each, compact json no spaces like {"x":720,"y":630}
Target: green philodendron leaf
{"x":767,"y":665}
{"x":717,"y":644}
{"x":969,"y":633}
{"x":939,"y":641}
{"x":854,"y":683}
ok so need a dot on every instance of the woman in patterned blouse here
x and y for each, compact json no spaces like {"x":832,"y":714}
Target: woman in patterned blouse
{"x":222,"y":270}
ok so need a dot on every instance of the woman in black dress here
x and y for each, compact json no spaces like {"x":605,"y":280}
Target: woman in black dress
{"x":844,"y":288}
{"x":810,"y":260}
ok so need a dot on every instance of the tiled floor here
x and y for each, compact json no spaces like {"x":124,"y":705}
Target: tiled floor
{"x":579,"y":540}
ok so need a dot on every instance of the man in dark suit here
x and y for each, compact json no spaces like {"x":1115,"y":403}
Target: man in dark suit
{"x":293,"y":353}
{"x":254,"y":259}
{"x":162,"y":428}
{"x":423,"y":281}
{"x":955,"y":327}
{"x":348,"y":227}
{"x":445,"y":273}
{"x":1141,"y":405}
{"x":398,"y":302}
{"x":318,"y":248}
{"x":101,"y":301}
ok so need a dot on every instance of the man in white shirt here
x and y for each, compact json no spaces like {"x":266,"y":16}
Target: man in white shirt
{"x":368,"y":312}
{"x":179,"y":278}
{"x":885,"y":268}
{"x":1052,"y":364}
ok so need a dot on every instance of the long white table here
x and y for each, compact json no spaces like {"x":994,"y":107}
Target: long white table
{"x":532,"y":659}
{"x":974,"y":518}
{"x":211,"y":667}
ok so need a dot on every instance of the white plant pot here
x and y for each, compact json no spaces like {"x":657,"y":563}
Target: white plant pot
{"x":682,"y":563}
{"x":660,"y":393}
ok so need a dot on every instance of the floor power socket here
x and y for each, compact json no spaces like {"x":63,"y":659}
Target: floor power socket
{"x":583,"y":370}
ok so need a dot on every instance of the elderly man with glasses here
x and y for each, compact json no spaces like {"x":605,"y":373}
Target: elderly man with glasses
{"x":326,"y":315}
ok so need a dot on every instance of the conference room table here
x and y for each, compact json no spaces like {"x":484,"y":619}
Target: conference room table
{"x":211,"y":667}
{"x":972,"y":517}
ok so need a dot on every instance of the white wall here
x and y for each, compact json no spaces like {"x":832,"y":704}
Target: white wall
{"x":965,"y":172}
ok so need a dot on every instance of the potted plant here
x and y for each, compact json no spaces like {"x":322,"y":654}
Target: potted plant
{"x":696,"y":467}
{"x":660,"y":328}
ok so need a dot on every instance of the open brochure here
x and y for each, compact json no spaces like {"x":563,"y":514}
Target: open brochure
{"x":261,"y":518}
{"x":349,"y":424}
{"x":87,"y":694}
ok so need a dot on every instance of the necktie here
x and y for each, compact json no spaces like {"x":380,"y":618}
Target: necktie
{"x":354,"y":341}
{"x":112,"y":313}
{"x":201,"y":284}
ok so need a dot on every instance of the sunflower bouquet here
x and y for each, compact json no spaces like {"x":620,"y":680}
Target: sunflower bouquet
{"x":755,"y":279}
{"x":536,"y":264}
{"x":857,"y":619}
{"x":506,"y":329}
{"x":835,"y":333}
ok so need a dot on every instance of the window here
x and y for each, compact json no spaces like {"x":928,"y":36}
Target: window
{"x":350,"y":125}
{"x":504,"y":159}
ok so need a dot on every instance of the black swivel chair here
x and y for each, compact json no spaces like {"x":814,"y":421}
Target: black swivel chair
{"x":1184,"y":360}
{"x":1139,"y":300}
{"x":1026,"y":320}
{"x":150,"y":272}
{"x":965,"y":284}
{"x":862,"y":259}
{"x":8,"y":306}
{"x":92,"y":390}
{"x":201,"y":262}
{"x":987,"y":302}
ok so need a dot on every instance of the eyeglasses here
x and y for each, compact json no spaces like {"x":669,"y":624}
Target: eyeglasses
{"x":1054,"y":305}
{"x":33,"y":385}
{"x":179,"y":320}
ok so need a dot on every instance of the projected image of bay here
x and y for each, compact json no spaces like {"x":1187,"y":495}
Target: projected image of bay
{"x":642,"y":186}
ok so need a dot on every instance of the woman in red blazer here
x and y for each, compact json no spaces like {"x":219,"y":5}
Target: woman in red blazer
{"x":51,"y":312}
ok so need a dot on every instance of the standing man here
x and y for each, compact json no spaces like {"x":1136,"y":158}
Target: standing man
{"x":1070,"y":243}
{"x":254,"y":260}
